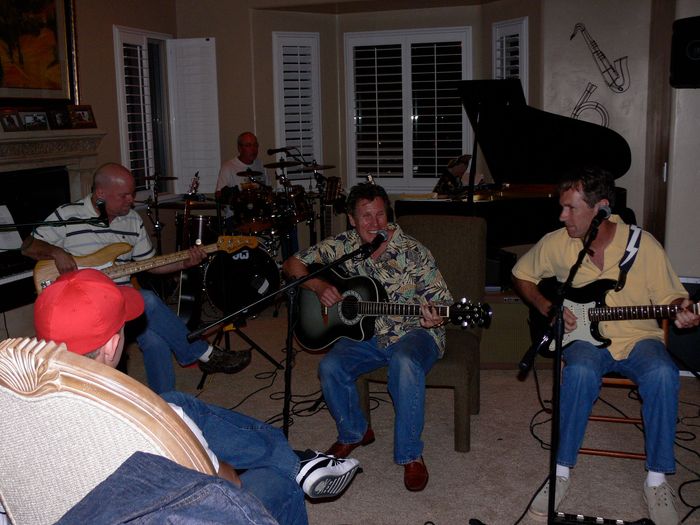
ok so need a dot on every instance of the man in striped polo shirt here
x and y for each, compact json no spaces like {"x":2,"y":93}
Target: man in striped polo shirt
{"x":114,"y":189}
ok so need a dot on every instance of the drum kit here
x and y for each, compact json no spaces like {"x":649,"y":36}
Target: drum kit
{"x":233,"y":280}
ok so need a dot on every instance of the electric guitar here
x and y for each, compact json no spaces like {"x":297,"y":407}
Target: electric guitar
{"x":587,"y":303}
{"x":364,"y":299}
{"x":45,"y":272}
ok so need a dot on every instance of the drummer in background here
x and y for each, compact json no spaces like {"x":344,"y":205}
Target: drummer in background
{"x":247,"y":160}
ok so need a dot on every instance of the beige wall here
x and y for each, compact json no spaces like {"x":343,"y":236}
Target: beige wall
{"x":620,"y":29}
{"x":95,"y":49}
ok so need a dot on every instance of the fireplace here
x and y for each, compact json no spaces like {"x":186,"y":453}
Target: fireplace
{"x":39,"y":170}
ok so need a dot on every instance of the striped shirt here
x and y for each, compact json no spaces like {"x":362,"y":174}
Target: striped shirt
{"x":406,"y":269}
{"x":86,"y":239}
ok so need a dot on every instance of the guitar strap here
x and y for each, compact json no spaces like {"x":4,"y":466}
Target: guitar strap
{"x":629,"y":256}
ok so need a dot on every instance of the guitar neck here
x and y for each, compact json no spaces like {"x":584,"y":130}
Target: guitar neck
{"x":397,"y":309}
{"x":626,"y":313}
{"x":120,"y":270}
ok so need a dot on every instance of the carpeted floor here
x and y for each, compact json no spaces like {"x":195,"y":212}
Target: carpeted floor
{"x":492,"y":483}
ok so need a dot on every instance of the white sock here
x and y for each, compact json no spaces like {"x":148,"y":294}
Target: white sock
{"x":205,"y":356}
{"x":654,"y":479}
{"x":562,"y":471}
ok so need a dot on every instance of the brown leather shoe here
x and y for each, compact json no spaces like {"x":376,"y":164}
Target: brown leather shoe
{"x":415,"y":475}
{"x":342,"y":450}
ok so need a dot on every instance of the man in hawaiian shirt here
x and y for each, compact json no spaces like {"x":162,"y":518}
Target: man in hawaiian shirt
{"x":408,"y":346}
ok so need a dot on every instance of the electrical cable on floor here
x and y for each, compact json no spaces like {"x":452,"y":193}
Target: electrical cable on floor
{"x":682,"y":435}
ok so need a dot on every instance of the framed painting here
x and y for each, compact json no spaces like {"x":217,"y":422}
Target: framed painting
{"x":37,"y":53}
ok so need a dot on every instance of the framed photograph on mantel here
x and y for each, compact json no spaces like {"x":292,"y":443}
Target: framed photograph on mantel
{"x":37,"y":53}
{"x":9,"y":118}
{"x":81,"y":116}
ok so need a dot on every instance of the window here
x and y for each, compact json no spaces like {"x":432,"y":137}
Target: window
{"x":297,"y":94}
{"x":139,"y":59}
{"x":510,"y":51}
{"x":405,"y":116}
{"x":153,"y":142}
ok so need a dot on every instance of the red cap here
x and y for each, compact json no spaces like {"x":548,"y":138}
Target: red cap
{"x":83,"y":309}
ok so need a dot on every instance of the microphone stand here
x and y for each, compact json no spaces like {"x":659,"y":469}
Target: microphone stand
{"x":291,"y":289}
{"x":95,"y":221}
{"x":556,"y":331}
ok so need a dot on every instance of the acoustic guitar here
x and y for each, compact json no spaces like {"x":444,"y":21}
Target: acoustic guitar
{"x":45,"y":272}
{"x":364,"y":299}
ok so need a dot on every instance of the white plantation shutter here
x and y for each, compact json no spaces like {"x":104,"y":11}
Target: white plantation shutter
{"x":194,"y":112}
{"x":297,"y":94}
{"x":437,"y":109}
{"x":134,"y":102}
{"x":405,"y":117}
{"x":510,"y":56}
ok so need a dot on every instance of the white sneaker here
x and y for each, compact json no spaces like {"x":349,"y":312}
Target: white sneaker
{"x":661,"y":501}
{"x":325,"y":476}
{"x":540,"y":505}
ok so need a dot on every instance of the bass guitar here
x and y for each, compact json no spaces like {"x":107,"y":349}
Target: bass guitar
{"x":364,"y":299}
{"x":45,"y":272}
{"x":587,"y":303}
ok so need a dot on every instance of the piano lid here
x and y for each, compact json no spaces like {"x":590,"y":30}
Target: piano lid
{"x":525,"y":145}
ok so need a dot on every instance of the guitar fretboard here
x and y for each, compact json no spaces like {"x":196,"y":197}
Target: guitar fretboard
{"x":623,"y":313}
{"x":120,"y":270}
{"x":398,"y":309}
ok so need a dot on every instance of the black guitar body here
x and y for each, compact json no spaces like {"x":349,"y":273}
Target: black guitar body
{"x":315,"y":329}
{"x":593,"y":293}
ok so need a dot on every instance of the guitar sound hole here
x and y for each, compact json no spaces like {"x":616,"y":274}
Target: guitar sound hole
{"x":348,"y":308}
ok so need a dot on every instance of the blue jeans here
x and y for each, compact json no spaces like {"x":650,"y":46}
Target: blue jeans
{"x":260,"y":449}
{"x":165,"y":333}
{"x":150,"y":490}
{"x":656,"y":376}
{"x":409,"y":360}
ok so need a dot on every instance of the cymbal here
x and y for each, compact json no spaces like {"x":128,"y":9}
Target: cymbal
{"x":249,"y":173}
{"x":193,"y":205}
{"x":318,"y":167}
{"x":158,"y":177}
{"x":283,"y":164}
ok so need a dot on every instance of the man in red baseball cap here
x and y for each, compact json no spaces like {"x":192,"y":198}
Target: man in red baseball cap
{"x":85,"y":310}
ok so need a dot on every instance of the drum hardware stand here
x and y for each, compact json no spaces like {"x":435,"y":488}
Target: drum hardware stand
{"x":222,"y":332}
{"x":291,"y":289}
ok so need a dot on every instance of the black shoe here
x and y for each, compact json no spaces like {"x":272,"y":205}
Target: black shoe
{"x":225,"y":362}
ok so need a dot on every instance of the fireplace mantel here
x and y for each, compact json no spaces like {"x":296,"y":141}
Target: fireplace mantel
{"x":76,"y":149}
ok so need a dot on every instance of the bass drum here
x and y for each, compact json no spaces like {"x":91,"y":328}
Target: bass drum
{"x":235,"y":280}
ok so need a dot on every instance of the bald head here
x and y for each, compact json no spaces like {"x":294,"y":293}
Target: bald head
{"x":247,"y":147}
{"x":114,"y":184}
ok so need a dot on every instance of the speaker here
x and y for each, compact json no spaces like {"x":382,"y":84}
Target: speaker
{"x":685,"y":53}
{"x":684,"y":345}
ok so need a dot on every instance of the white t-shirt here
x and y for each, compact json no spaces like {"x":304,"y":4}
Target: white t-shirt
{"x":228,"y":174}
{"x":197,"y":432}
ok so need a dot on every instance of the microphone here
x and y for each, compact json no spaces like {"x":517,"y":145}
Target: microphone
{"x":603,"y":213}
{"x":272,"y":151}
{"x":369,"y":248}
{"x":100,"y":203}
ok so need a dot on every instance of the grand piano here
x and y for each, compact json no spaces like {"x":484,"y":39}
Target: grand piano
{"x":526,"y":150}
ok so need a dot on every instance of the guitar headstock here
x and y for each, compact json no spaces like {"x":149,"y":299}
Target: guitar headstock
{"x":230,"y":243}
{"x":469,"y":315}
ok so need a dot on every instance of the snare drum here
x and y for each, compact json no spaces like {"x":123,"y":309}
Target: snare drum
{"x":201,"y":227}
{"x":252,"y":210}
{"x":235,"y":280}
